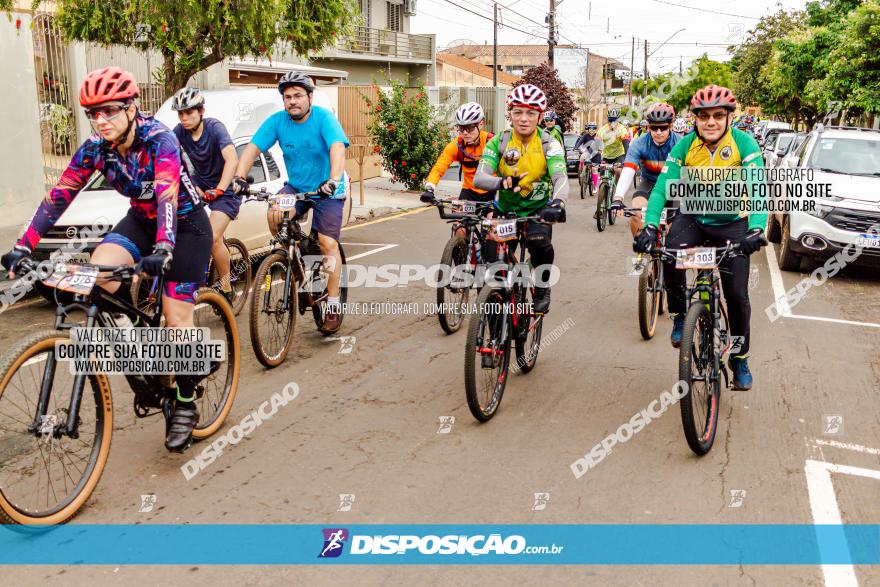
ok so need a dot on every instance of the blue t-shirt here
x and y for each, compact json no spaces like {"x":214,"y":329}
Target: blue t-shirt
{"x":306,"y":146}
{"x":205,"y":153}
{"x":645,"y":152}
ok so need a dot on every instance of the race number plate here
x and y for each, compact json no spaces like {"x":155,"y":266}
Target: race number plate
{"x":73,"y":278}
{"x":699,"y":258}
{"x":662,"y":215}
{"x":502,"y":230}
{"x":464,"y":207}
{"x":285,"y":202}
{"x":868,"y":241}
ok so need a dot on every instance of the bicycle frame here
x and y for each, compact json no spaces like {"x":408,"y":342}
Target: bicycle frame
{"x":90,"y":305}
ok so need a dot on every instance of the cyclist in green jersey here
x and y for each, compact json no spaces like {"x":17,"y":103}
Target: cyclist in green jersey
{"x":527,"y":168}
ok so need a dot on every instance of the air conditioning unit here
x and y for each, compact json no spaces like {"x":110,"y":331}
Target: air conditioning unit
{"x":409,"y":7}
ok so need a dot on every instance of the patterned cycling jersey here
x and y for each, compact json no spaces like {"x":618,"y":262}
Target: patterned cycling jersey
{"x":151,"y":174}
{"x":649,"y":155}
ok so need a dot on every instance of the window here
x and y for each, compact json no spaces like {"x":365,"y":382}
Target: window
{"x":801,"y":152}
{"x":274,"y":172}
{"x":366,"y":11}
{"x":847,"y":156}
{"x":257,"y":171}
{"x":395,"y":20}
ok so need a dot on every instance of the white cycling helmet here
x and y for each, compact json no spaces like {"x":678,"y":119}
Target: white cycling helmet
{"x":529,"y":96}
{"x":470,"y":113}
{"x":186,"y":99}
{"x":679,"y":126}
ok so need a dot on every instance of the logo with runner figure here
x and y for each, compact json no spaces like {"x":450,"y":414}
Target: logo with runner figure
{"x":334,"y":540}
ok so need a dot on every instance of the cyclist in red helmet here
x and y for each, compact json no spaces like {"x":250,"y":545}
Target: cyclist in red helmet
{"x":141,"y":158}
{"x":713,"y":144}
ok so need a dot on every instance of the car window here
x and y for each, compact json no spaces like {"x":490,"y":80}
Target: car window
{"x":849,"y":156}
{"x":257,"y":171}
{"x":274,"y":172}
{"x":784,"y":141}
{"x":802,"y":152}
{"x":570,"y":140}
{"x":99,"y":182}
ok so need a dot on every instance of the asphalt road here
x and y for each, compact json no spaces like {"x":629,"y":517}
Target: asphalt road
{"x":366,"y":423}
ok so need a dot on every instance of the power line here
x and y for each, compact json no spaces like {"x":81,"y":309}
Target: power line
{"x":705,"y":10}
{"x":484,"y":16}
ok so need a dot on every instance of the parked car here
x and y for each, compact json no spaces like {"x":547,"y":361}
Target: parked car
{"x":777,"y":145}
{"x":242,"y":111}
{"x":784,"y":146}
{"x":763,"y":128}
{"x":849,"y":160}
{"x":572,"y":156}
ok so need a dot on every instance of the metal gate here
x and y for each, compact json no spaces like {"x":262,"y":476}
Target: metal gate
{"x":57,"y":124}
{"x":141,"y":64}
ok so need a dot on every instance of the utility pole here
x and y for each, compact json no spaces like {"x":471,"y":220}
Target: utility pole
{"x":495,"y":46}
{"x":646,"y":69}
{"x":632,"y":64}
{"x":551,"y":32}
{"x":679,"y":65}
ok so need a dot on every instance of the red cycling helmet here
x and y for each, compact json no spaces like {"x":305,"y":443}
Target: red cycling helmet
{"x":108,"y":84}
{"x":713,"y":96}
{"x":660,"y":113}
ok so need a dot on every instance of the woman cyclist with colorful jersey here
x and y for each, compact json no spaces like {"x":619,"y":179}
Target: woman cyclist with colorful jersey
{"x":713,"y":144}
{"x":466,"y":150}
{"x":141,"y":158}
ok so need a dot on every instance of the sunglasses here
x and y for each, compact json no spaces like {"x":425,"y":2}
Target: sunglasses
{"x":659,"y":127}
{"x":468,"y":128}
{"x":106,"y":112}
{"x":526,"y":112}
{"x":705,"y":117}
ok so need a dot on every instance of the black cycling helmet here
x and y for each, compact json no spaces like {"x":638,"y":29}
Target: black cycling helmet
{"x":296,"y":78}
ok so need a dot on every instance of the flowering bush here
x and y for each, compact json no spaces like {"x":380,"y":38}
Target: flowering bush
{"x":406,"y":133}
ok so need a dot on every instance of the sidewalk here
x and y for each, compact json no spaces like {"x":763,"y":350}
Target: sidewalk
{"x":382,"y":197}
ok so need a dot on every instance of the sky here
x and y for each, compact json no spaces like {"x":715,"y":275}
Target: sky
{"x":606,"y":28}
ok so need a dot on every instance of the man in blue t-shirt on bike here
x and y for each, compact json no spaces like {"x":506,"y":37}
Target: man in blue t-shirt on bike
{"x":313,"y":144}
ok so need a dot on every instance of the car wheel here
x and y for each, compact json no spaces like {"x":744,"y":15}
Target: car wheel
{"x":788,"y":259}
{"x":774,"y":234}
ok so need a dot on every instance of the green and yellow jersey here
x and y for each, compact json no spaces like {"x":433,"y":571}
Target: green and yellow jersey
{"x":735,"y":149}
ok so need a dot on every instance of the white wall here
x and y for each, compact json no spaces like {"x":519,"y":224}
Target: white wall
{"x":21,"y":159}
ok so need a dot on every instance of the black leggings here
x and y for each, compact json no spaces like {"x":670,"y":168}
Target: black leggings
{"x":538,"y":243}
{"x":686,"y":232}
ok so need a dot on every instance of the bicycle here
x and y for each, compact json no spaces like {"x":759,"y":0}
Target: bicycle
{"x":606,"y":188}
{"x":145,"y":294}
{"x":652,"y":293}
{"x":274,"y":306}
{"x":461,"y":253}
{"x":585,"y":177}
{"x":705,"y":342}
{"x":504,"y":313}
{"x":55,"y":449}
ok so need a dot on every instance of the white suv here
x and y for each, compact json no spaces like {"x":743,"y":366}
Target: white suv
{"x":848,"y":159}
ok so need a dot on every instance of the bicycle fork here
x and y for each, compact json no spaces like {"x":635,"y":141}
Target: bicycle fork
{"x":44,"y":423}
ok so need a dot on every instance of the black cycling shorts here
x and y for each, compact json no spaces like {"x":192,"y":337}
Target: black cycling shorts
{"x":192,"y":252}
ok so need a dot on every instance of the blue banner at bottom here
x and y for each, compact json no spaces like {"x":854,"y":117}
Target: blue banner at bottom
{"x":155,"y":544}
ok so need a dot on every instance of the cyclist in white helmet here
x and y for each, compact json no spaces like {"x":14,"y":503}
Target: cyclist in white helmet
{"x":679,"y":126}
{"x":466,"y":150}
{"x":209,"y":148}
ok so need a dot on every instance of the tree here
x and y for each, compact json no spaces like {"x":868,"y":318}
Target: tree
{"x":192,"y":35}
{"x":854,"y":63}
{"x":749,"y":85}
{"x":558,"y":98}
{"x":678,"y":89}
{"x":406,"y":132}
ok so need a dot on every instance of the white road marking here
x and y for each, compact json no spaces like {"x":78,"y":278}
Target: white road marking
{"x":848,"y":446}
{"x":823,"y":504}
{"x":782,"y":305}
{"x":776,"y":280}
{"x":379,"y":250}
{"x":363,"y":244}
